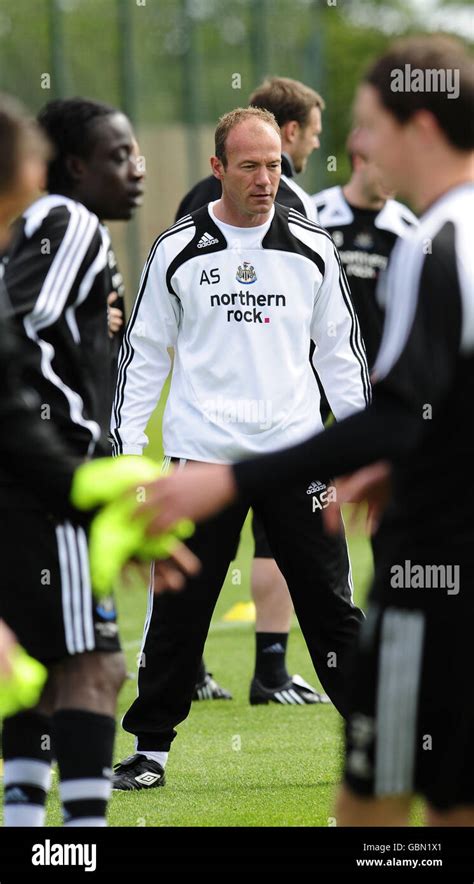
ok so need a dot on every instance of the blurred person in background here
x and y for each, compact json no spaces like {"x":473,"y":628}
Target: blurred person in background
{"x":364,"y":221}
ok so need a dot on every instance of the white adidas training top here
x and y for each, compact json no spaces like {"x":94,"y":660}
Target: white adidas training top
{"x":239,"y":306}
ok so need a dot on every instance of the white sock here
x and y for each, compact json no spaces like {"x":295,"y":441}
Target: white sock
{"x":160,"y":757}
{"x":24,"y":815}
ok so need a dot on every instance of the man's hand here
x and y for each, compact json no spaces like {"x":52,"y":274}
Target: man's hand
{"x":168,"y":574}
{"x":7,"y":645}
{"x":118,"y":532}
{"x":114,"y":315}
{"x":171,"y":574}
{"x":371,"y":484}
{"x":197,"y":492}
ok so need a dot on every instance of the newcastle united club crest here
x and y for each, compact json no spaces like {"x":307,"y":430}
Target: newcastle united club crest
{"x":246,"y":273}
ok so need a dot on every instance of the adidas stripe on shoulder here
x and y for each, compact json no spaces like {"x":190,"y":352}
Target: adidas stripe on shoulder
{"x":295,"y":217}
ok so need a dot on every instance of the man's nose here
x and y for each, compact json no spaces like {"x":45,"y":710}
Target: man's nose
{"x":262,"y":176}
{"x":136,"y":168}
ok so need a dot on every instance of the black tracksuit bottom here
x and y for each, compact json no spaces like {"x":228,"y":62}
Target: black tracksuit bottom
{"x":317,"y":570}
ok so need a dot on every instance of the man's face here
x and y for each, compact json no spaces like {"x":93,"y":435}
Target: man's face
{"x":110,"y":182}
{"x":373,"y":181}
{"x":252,"y":176}
{"x":306,"y":140}
{"x":385,"y":142}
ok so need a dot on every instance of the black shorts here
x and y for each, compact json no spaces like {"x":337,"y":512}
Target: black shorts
{"x":411,"y":727}
{"x":46,"y":595}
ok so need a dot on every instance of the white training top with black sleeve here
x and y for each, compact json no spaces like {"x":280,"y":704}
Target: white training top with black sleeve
{"x":57,"y":280}
{"x":239,"y":306}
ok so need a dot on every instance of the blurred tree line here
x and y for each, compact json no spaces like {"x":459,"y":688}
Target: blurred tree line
{"x":171,"y":61}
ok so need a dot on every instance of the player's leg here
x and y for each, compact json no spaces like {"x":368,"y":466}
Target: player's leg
{"x":274,"y":608}
{"x":83,"y":728}
{"x":385,"y":761}
{"x":29,"y":559}
{"x":206,"y":687}
{"x":27,"y":753}
{"x":411,"y":726}
{"x":78,"y":640}
{"x":317,"y":570}
{"x":176,"y":627}
{"x":27,"y":759}
{"x":446,"y":731}
{"x":273,"y":604}
{"x":410,"y":730}
{"x":354,"y":810}
{"x":89,"y":680}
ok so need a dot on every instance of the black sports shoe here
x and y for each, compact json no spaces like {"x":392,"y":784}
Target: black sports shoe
{"x":208,"y":689}
{"x":295,"y":692}
{"x":137,"y":772}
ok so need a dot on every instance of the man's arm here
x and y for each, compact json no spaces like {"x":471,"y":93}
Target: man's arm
{"x":339,"y":357}
{"x":144,"y":361}
{"x":51,"y":270}
{"x":383,"y":431}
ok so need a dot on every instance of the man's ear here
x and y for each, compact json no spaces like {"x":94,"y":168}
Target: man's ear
{"x":289,"y":131}
{"x":217,"y":168}
{"x":425,"y":127}
{"x":76,"y":167}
